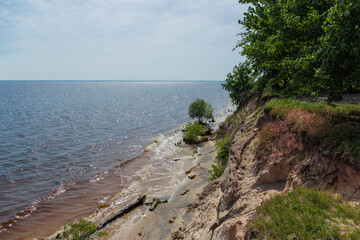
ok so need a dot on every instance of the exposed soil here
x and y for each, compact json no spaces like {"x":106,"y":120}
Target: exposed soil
{"x":224,"y":208}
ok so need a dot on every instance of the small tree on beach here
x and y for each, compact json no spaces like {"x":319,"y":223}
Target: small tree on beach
{"x":201,"y":109}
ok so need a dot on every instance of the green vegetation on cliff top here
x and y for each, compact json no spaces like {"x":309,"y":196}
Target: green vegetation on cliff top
{"x":279,"y":107}
{"x":336,"y":126}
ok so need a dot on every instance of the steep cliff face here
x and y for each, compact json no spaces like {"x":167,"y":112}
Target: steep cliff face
{"x":267,"y":156}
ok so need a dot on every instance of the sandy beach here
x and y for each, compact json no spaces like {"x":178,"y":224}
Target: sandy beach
{"x":172,"y":215}
{"x":167,"y":218}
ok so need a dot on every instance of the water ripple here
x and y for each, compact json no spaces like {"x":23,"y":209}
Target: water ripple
{"x":59,"y":134}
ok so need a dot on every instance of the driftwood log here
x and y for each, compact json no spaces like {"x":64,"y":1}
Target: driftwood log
{"x":138,"y":202}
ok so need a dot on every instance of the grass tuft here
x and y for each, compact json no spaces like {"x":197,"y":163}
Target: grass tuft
{"x":223,"y":150}
{"x":215,"y":172}
{"x":78,"y":231}
{"x":306,"y":214}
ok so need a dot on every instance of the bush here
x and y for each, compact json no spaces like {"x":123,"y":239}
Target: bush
{"x":192,"y":133}
{"x":223,"y":150}
{"x":201,"y":109}
{"x":78,"y":231}
{"x":306,"y":214}
{"x":215,"y":172}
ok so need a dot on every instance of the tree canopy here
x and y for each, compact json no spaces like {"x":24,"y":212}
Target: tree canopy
{"x":200,"y":109}
{"x":299,"y":47}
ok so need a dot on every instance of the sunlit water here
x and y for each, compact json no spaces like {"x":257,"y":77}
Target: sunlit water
{"x":61,"y":143}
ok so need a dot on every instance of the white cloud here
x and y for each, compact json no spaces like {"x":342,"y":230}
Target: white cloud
{"x":119,"y":39}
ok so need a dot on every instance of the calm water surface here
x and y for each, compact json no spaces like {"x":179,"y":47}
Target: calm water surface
{"x":58,"y":140}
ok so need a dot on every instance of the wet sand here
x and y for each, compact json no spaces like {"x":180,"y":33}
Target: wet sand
{"x":168,"y":217}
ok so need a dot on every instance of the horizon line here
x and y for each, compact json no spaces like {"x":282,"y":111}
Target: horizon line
{"x":59,"y":80}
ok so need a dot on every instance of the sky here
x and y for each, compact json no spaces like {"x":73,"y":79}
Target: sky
{"x":118,"y":39}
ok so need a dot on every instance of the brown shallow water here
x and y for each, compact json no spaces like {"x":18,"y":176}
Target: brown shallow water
{"x":72,"y":204}
{"x":154,"y":173}
{"x":150,"y":173}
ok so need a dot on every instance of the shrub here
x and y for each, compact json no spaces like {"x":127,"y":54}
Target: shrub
{"x":201,"y":109}
{"x":239,"y":82}
{"x":215,"y":172}
{"x":78,"y":231}
{"x":306,"y":214}
{"x":223,"y":150}
{"x":192,"y":133}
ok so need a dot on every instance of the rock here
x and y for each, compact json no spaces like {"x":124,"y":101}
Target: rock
{"x":208,"y":131}
{"x":191,"y":207}
{"x":171,"y":221}
{"x":189,"y":171}
{"x":213,"y":227}
{"x":154,"y":204}
{"x":177,"y":235}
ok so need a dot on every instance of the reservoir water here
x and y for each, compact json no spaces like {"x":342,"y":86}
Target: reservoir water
{"x":62,"y":143}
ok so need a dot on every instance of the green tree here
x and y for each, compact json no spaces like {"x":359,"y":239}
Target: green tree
{"x":301,"y":47}
{"x":339,"y":51}
{"x":238,"y":82}
{"x":200,"y":109}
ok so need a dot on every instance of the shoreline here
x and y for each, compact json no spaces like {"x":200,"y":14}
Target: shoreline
{"x":186,"y":157}
{"x":226,"y":207}
{"x":87,"y":179}
{"x":172,"y":215}
{"x":185,"y":191}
